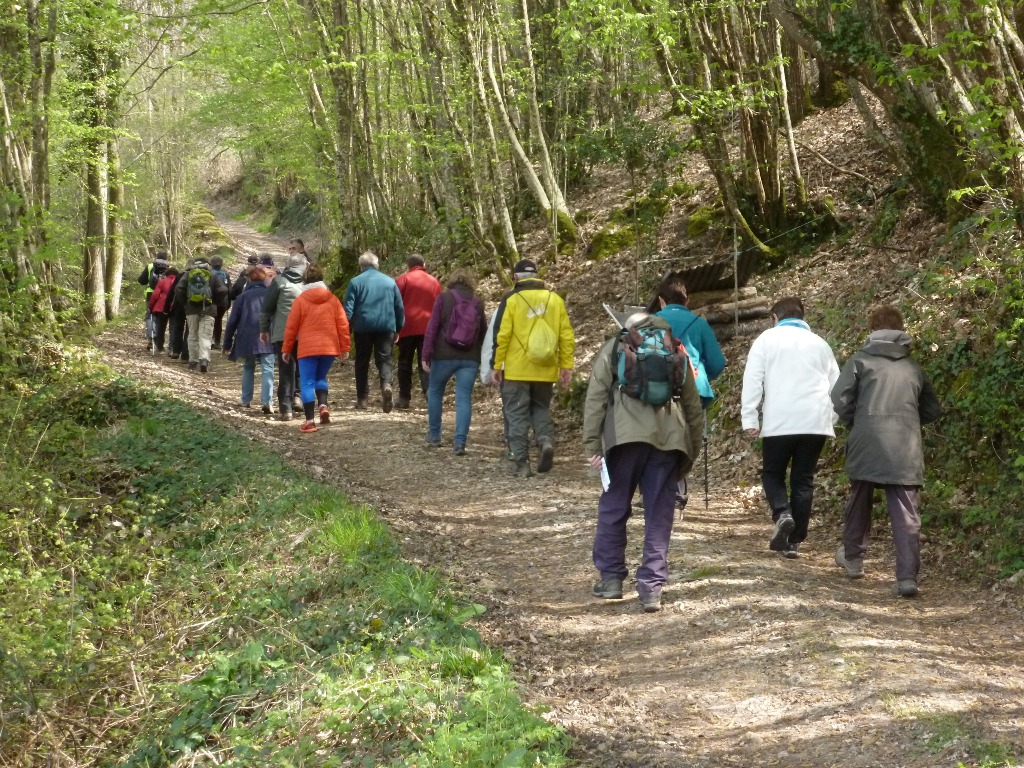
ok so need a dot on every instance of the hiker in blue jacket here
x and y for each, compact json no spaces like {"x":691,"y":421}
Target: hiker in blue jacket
{"x":373,"y":305}
{"x":670,"y":304}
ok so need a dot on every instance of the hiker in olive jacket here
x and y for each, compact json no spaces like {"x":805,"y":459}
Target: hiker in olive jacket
{"x":884,"y":397}
{"x":201,"y":315}
{"x":276,"y":306}
{"x":643,"y":445}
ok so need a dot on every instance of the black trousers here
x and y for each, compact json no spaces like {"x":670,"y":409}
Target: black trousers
{"x":777,"y":455}
{"x":160,"y":330}
{"x":176,"y":332}
{"x":287,"y":377}
{"x":409,"y":347}
{"x":380,"y":345}
{"x":218,"y":324}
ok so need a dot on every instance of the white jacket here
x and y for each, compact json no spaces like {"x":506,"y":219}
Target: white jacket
{"x":789,"y":375}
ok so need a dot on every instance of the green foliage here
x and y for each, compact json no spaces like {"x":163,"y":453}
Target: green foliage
{"x":171,"y":589}
{"x":702,"y":219}
{"x":888,"y":216}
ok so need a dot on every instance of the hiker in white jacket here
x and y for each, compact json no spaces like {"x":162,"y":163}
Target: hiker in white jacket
{"x":789,"y":374}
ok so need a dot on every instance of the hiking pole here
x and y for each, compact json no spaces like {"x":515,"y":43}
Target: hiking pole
{"x":705,"y":411}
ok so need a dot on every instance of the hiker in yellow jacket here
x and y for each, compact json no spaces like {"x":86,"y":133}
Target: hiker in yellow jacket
{"x":533,"y":348}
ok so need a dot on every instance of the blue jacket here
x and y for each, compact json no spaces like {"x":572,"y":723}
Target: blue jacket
{"x":242,"y":334}
{"x":373,"y":303}
{"x":701,"y":345}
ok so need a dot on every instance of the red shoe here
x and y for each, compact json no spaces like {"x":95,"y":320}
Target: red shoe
{"x":307,"y":426}
{"x":325,"y":415}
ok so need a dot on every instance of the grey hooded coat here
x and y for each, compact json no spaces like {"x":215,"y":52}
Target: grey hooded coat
{"x":884,"y":397}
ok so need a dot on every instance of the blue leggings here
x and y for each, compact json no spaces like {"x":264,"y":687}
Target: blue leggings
{"x":313,"y":375}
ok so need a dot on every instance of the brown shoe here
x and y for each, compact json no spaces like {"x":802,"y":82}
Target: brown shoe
{"x":387,"y":396}
{"x":361,"y":404}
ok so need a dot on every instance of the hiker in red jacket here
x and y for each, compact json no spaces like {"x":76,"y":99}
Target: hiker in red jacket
{"x":419,"y":291}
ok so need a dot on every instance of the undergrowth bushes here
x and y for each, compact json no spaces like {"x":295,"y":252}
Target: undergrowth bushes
{"x":175,"y":595}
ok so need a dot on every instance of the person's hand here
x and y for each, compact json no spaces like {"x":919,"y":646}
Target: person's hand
{"x":265,"y":338}
{"x":565,"y":377}
{"x":343,"y":356}
{"x":753,"y":434}
{"x":498,"y":376}
{"x":425,"y":366}
{"x":595,"y":462}
{"x":286,"y":357}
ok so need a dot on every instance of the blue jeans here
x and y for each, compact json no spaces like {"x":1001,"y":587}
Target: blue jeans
{"x":464,"y":372}
{"x":313,"y":375}
{"x":266,"y":377}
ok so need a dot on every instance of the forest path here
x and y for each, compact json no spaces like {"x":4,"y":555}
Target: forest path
{"x":755,"y":661}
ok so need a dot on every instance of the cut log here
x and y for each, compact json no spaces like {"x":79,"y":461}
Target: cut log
{"x":723,"y":332}
{"x":704,"y":298}
{"x":724,"y":317}
{"x":759,"y":302}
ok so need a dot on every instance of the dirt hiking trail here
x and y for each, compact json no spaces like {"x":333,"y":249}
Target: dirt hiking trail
{"x":755,"y":660}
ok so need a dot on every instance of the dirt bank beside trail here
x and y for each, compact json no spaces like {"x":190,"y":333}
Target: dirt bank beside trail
{"x":755,"y":661}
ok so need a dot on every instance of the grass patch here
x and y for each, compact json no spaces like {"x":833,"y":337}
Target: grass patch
{"x":174,"y":594}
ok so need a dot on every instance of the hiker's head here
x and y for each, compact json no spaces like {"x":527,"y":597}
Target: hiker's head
{"x":885,"y":317}
{"x":314,"y":274}
{"x":462,"y":277}
{"x":295,"y":245}
{"x":791,"y":307}
{"x":296,"y":259}
{"x":368,"y":260}
{"x":160,"y":255}
{"x":524,"y":270}
{"x":253,"y":260}
{"x":672,"y":289}
{"x":172,"y":271}
{"x":415,"y":260}
{"x":257,"y":274}
{"x":267,"y":260}
{"x":216,"y":262}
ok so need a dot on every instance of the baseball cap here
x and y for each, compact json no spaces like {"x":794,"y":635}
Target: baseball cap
{"x":525,"y":267}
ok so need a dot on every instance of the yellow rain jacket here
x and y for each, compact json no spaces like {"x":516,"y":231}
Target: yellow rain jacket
{"x":527,"y":304}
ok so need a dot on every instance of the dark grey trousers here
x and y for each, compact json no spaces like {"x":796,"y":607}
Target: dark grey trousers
{"x":902,"y":501}
{"x":379,"y":345}
{"x":797,"y":455}
{"x":527,"y":403}
{"x":656,"y":473}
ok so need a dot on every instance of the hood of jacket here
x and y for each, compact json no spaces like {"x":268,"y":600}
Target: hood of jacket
{"x":650,"y":321}
{"x":317,"y":292}
{"x":894,"y":345}
{"x":295,"y":274}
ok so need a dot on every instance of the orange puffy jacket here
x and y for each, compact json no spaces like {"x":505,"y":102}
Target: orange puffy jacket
{"x":319,"y":321}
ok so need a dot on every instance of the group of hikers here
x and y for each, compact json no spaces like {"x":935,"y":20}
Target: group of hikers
{"x":646,"y":401}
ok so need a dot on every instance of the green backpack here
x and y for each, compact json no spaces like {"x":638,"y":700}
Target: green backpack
{"x":199,"y":291}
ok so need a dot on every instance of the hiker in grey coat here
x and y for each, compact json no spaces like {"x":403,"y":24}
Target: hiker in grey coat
{"x":884,"y":397}
{"x":276,"y":306}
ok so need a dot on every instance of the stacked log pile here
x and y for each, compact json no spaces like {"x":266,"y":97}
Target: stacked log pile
{"x":722,"y":309}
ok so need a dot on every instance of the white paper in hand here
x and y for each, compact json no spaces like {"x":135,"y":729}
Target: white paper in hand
{"x":605,"y":478}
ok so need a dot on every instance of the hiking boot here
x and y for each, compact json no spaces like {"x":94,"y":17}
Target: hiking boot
{"x":244,"y":405}
{"x":174,"y":355}
{"x":783,"y":527}
{"x":433,"y":442}
{"x":905,"y":588}
{"x":547,"y":455}
{"x":308,"y":426}
{"x":149,"y":346}
{"x":651,"y":603}
{"x":791,"y":552}
{"x":284,"y":415}
{"x":215,"y":345}
{"x":267,"y":410}
{"x":387,"y":397}
{"x":459,"y":450}
{"x":609,"y":589}
{"x":402,"y":403}
{"x":361,"y":404}
{"x":193,"y":365}
{"x":325,"y":415}
{"x":203,"y":366}
{"x":854,"y":566}
{"x":519,"y":468}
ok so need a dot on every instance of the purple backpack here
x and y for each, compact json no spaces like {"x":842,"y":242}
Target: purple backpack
{"x":463,"y":324}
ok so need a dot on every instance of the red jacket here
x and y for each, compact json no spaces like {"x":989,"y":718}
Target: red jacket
{"x":419,"y":291}
{"x":319,"y":321}
{"x":158,"y":298}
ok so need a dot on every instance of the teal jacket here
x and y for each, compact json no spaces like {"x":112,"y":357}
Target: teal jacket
{"x":701,"y":345}
{"x":373,"y":303}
